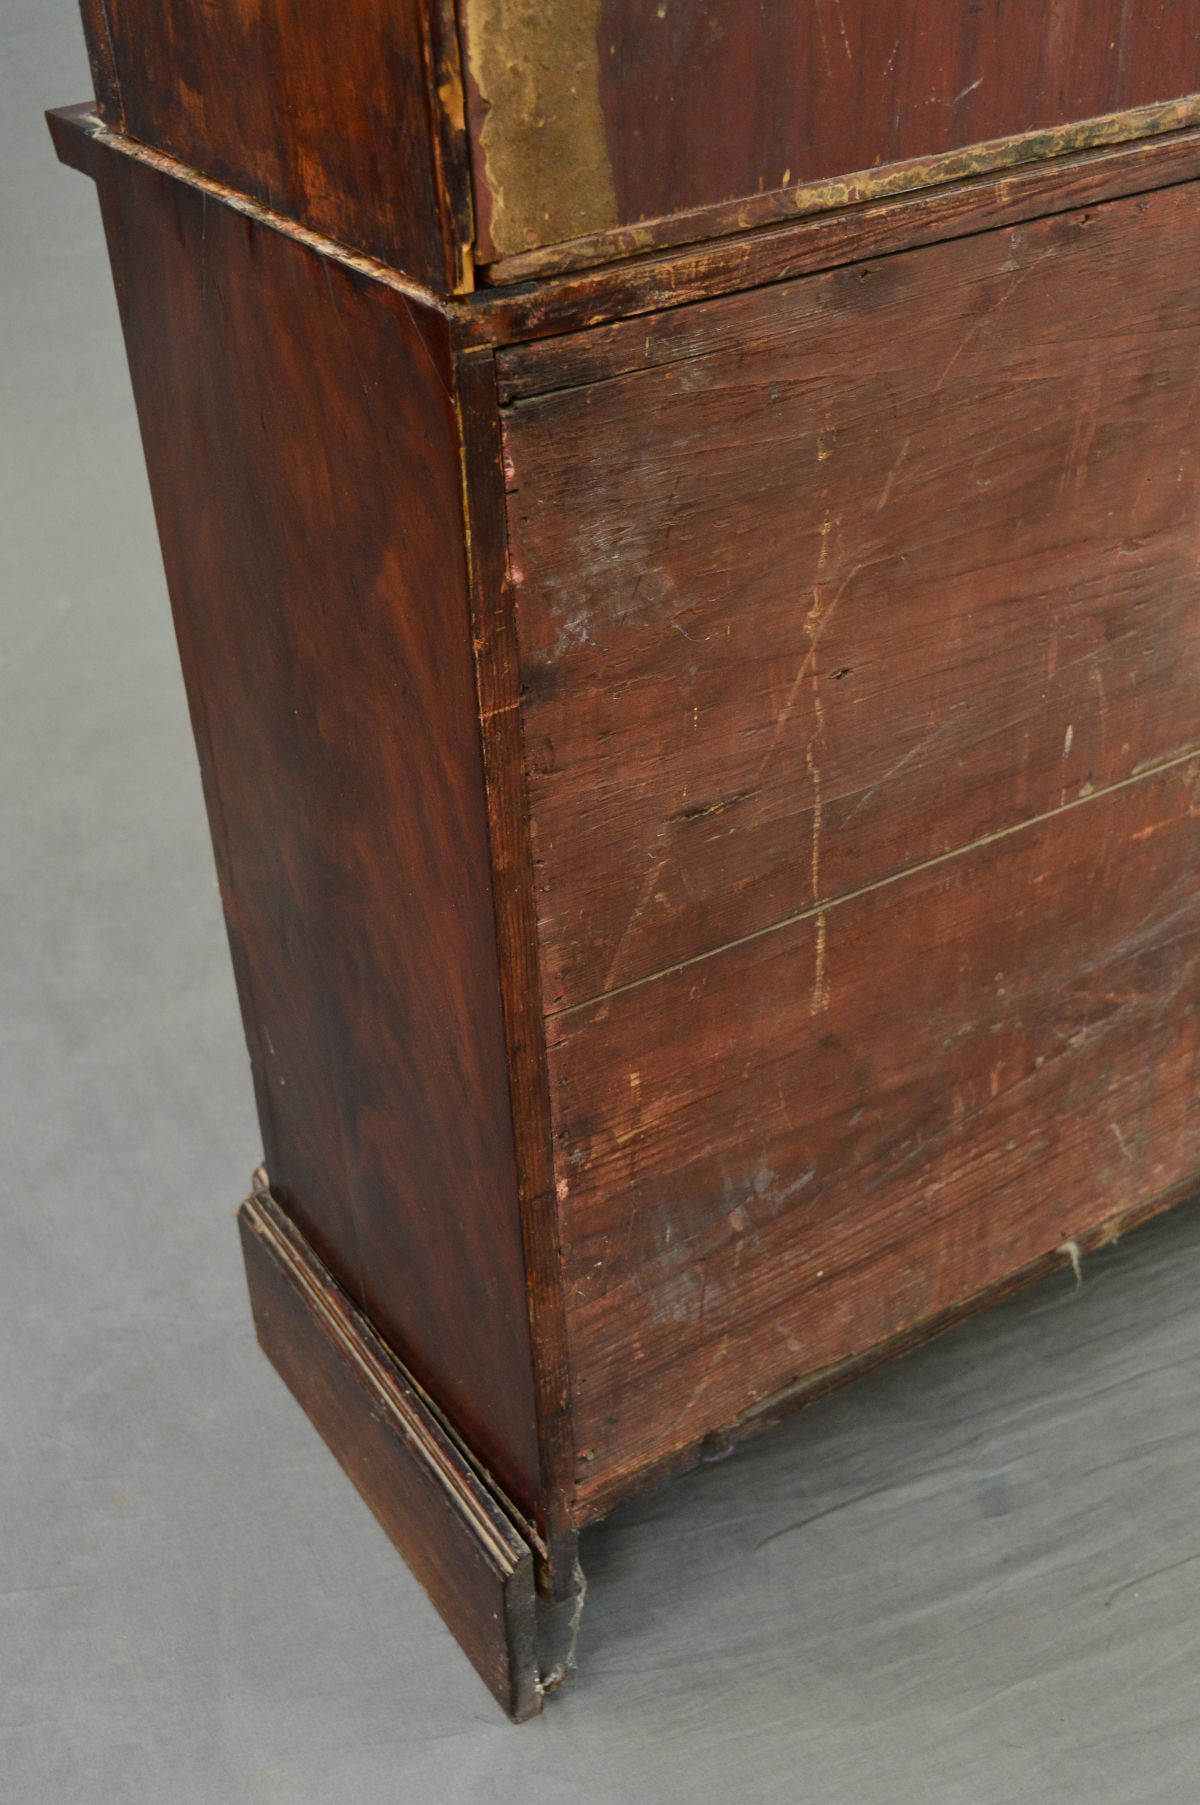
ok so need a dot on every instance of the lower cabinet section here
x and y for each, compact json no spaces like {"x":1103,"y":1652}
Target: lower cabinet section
{"x":859,"y":628}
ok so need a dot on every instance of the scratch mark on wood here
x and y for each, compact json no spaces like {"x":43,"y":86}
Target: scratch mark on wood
{"x":924,"y":744}
{"x":820,"y":995}
{"x":893,"y":473}
{"x":639,"y":907}
{"x":989,"y":314}
{"x":963,"y":92}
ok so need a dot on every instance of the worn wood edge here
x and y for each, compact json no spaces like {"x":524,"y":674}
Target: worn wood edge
{"x":79,"y":136}
{"x":73,"y":132}
{"x":724,"y":217}
{"x":445,"y":99}
{"x":535,"y":1646}
{"x":719,"y":1443}
{"x":102,"y":58}
{"x":498,"y":688}
{"x":515,"y":320}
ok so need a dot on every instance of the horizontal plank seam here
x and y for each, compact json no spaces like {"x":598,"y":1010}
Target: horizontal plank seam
{"x":894,"y":877}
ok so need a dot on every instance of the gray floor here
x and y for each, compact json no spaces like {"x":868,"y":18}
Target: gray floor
{"x":975,"y":1578}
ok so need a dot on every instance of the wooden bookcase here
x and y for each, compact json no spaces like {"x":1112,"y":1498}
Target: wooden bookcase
{"x":683,"y":530}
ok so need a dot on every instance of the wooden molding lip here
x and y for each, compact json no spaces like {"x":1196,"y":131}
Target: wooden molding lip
{"x":704,"y":224}
{"x":73,"y":131}
{"x":768,"y":254}
{"x":754,"y":257}
{"x":467,"y":1548}
{"x":78,"y":134}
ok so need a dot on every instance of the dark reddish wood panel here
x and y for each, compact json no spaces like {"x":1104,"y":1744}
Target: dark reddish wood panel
{"x":471,"y":1560}
{"x":774,"y":93}
{"x":823,"y":581}
{"x":789,"y":1152}
{"x":300,"y":432}
{"x":324,"y":113}
{"x":589,"y":116}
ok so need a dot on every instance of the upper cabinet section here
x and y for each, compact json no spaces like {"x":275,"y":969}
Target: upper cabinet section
{"x":597,"y":128}
{"x":614,"y":117}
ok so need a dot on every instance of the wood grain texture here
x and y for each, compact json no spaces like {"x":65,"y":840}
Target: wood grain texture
{"x":776,"y":1408}
{"x":300,"y":431}
{"x":341,"y":117}
{"x":465,"y":1551}
{"x":789,"y":1152}
{"x":612,"y":115}
{"x":817,"y":583}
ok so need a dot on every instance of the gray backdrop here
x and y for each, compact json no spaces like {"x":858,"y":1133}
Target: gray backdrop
{"x":974,"y":1578}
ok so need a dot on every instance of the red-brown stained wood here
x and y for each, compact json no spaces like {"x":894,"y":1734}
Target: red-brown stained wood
{"x":340,"y":116}
{"x":590,"y":116}
{"x":468,"y":1555}
{"x":823,"y":581}
{"x":301,"y":437}
{"x":843,"y":705}
{"x":100,"y":56}
{"x":782,"y":1155}
{"x":567,"y":303}
{"x":498,"y":689}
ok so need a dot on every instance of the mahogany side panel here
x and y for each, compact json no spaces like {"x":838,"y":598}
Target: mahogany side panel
{"x":328,"y":114}
{"x":462,"y":1547}
{"x":589,"y":116}
{"x":827,"y":580}
{"x":780,"y":1157}
{"x":300,"y":432}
